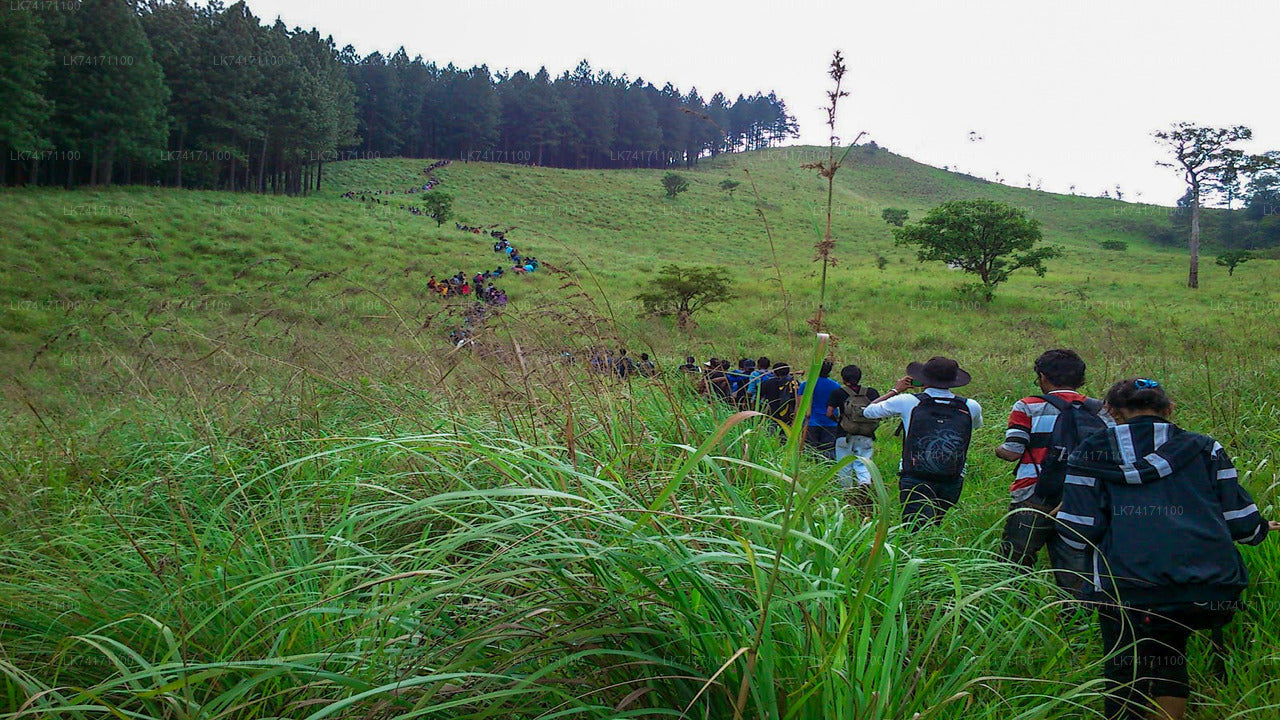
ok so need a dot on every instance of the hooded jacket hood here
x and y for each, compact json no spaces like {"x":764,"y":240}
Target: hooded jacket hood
{"x":1143,"y":451}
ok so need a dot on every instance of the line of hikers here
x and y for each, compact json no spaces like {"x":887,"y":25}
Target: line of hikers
{"x":480,"y":286}
{"x":373,"y":196}
{"x":603,"y":361}
{"x":1139,"y":517}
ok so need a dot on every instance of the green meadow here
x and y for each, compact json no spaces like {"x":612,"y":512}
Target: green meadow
{"x":245,"y":474}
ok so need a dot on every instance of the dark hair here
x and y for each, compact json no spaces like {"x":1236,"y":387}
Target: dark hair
{"x":1133,"y":394}
{"x":762,"y":363}
{"x":851,"y":374}
{"x":781,"y":370}
{"x":1061,"y":367}
{"x":688,"y":359}
{"x":826,"y":368}
{"x":742,"y":363}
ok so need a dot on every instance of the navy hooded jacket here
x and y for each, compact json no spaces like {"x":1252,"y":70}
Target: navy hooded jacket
{"x":1161,"y":509}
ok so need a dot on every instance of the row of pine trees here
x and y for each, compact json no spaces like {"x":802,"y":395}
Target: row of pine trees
{"x":161,"y":92}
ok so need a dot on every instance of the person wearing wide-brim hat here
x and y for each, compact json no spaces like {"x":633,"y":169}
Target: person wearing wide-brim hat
{"x":937,"y":426}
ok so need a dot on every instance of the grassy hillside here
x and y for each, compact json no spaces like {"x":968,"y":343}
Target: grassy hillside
{"x":245,"y":473}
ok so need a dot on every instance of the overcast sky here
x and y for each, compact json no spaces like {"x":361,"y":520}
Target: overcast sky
{"x":1067,"y":92}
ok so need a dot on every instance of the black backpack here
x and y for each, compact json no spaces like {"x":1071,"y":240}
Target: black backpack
{"x":1076,"y":421}
{"x":937,"y":442}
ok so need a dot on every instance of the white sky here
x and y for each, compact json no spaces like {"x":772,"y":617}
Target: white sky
{"x":1067,"y":92}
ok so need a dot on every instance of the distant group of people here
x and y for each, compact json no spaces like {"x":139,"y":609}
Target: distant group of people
{"x":376,"y":197}
{"x":480,"y":287}
{"x":606,"y":362}
{"x":1138,"y":516}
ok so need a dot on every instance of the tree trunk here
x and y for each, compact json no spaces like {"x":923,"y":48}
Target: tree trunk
{"x":262,"y":166}
{"x":1193,"y":277}
{"x":182,"y":137}
{"x":93,"y":163}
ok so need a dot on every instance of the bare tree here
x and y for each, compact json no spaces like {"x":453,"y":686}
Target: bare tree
{"x":1203,"y":154}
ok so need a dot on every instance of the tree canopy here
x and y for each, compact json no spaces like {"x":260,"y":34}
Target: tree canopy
{"x":682,"y":291}
{"x":981,"y":237}
{"x":674,"y":184}
{"x":170,"y":92}
{"x":895,"y":216}
{"x":1207,"y":161}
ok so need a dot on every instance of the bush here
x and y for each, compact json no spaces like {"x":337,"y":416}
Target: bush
{"x":1118,"y":245}
{"x":674,"y":184}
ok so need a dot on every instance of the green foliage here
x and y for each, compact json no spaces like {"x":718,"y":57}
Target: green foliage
{"x":24,"y":63}
{"x":1206,"y":159}
{"x":438,"y":206}
{"x":674,"y":184}
{"x":198,"y":359}
{"x":1118,"y":245}
{"x":981,"y":237}
{"x":682,"y":291}
{"x":729,"y":186}
{"x":1233,"y":258}
{"x":895,"y":216}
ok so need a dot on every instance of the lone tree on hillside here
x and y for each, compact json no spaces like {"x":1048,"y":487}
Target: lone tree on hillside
{"x":438,"y":206}
{"x":1204,"y":155}
{"x":682,"y":291}
{"x":674,"y":184}
{"x":729,"y":186}
{"x":982,"y":237}
{"x":895,"y":216}
{"x":1231,"y":258}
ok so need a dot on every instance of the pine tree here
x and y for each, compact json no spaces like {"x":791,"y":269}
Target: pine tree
{"x":115,"y":93}
{"x":24,"y":111}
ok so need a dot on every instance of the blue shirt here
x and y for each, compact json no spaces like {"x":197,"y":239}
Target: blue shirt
{"x":818,"y":409}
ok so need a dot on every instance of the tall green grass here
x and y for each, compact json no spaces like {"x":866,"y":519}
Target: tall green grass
{"x":466,"y":574}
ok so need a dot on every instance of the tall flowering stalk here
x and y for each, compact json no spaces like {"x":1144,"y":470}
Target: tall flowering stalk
{"x":828,"y":170}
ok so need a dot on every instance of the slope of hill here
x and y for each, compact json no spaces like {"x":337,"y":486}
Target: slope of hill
{"x":94,"y":276}
{"x":191,"y":379}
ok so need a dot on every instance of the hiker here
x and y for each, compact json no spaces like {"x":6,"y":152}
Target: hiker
{"x":624,"y":365}
{"x":820,"y":430}
{"x":751,"y":397}
{"x":690,"y":366}
{"x":780,"y":394}
{"x":432,"y":284}
{"x":715,"y":382}
{"x":645,"y":367}
{"x":1159,"y":508}
{"x":856,"y":433}
{"x":1043,"y":430}
{"x":738,"y":377}
{"x":937,"y":426}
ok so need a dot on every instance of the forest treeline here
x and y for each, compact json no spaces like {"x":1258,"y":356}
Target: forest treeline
{"x":207,"y":96}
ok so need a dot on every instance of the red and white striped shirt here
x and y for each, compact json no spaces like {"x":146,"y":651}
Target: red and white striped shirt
{"x":1030,"y":433}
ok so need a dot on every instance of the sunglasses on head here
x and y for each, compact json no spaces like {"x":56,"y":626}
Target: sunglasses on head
{"x":1145,"y":384}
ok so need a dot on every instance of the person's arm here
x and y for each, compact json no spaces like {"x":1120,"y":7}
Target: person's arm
{"x":1018,"y":435}
{"x":889,"y":405}
{"x":884,"y":406}
{"x":1243,"y":519}
{"x":1084,"y":514}
{"x":835,"y":401}
{"x":976,"y":410}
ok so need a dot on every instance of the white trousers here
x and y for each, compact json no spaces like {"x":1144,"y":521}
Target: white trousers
{"x":861,"y":446}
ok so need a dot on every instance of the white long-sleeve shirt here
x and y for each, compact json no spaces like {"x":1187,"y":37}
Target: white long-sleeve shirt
{"x":903,"y":403}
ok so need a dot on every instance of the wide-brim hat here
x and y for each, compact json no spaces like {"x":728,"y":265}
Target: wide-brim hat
{"x":939,"y":372}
